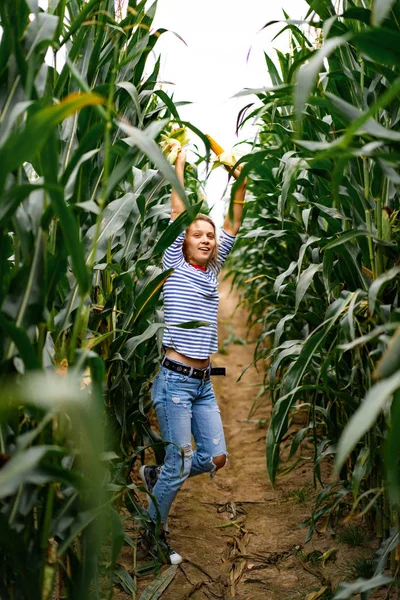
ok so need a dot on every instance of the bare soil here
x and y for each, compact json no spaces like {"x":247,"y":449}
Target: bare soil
{"x":239,"y":536}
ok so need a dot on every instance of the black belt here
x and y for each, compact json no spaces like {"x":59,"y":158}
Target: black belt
{"x":191,"y":371}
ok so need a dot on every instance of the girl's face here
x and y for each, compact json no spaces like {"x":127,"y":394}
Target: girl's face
{"x":200,"y":242}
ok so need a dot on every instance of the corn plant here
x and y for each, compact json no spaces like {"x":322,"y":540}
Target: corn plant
{"x":58,"y":517}
{"x":83,"y":187}
{"x":318,"y":263}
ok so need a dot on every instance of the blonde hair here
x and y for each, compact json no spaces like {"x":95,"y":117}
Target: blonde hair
{"x":214,"y":254}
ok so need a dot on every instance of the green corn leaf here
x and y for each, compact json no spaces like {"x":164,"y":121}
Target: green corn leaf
{"x":21,"y":341}
{"x":130,"y":346}
{"x":293,"y":166}
{"x":376,"y":399}
{"x":40,"y":31}
{"x":387,"y":546}
{"x":317,"y":146}
{"x":71,"y":235}
{"x":92,"y":342}
{"x":310,"y":347}
{"x":132,"y":91}
{"x":305,"y":79}
{"x":378,"y":285}
{"x":392,"y":451}
{"x":311,"y":240}
{"x":370,"y":126}
{"x":331,"y":212}
{"x":122,"y":577}
{"x":351,"y":235}
{"x":293,"y":350}
{"x":168,"y":103}
{"x":17,"y":111}
{"x":77,"y":22}
{"x":82,"y":520}
{"x":361,"y":468}
{"x":66,"y":219}
{"x":26,"y":439}
{"x":327,"y":262}
{"x":117,"y":534}
{"x":380,"y":44}
{"x":32,"y":297}
{"x":199,"y":133}
{"x":24,"y":468}
{"x":305,"y":281}
{"x":368,"y":337}
{"x":346,"y":590}
{"x":350,"y":313}
{"x":390,"y":361}
{"x":49,"y":393}
{"x":348,"y":263}
{"x":151,"y":289}
{"x":359,"y":14}
{"x":280,"y":328}
{"x":272,"y":70}
{"x":114,"y":218}
{"x":380,"y":10}
{"x":323,"y":8}
{"x":23,"y":146}
{"x":159,"y":585}
{"x":69,"y":186}
{"x":147,"y":145}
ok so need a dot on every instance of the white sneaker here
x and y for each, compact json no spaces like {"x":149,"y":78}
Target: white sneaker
{"x":159,"y":548}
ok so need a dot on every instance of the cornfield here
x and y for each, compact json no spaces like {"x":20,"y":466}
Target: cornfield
{"x":84,"y":191}
{"x":83,"y":224}
{"x":319,"y":263}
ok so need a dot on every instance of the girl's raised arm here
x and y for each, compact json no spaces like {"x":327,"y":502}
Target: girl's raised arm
{"x":232,"y":227}
{"x":177,"y":205}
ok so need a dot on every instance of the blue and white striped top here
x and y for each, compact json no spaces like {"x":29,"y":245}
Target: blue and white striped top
{"x":191,"y":294}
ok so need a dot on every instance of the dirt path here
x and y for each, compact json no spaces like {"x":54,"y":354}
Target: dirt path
{"x":238,"y":535}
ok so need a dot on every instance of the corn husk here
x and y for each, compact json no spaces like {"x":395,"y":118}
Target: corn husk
{"x":225,"y":158}
{"x":173,"y":141}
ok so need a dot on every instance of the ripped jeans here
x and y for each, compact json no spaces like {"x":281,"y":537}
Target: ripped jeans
{"x":184,"y":406}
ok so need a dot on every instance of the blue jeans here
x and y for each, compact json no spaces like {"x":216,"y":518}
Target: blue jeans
{"x":184,"y":406}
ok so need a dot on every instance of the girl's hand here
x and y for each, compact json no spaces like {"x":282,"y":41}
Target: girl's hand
{"x":236,"y":174}
{"x":181,"y":158}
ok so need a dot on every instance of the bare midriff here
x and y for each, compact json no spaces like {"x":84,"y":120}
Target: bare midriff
{"x":197,"y":363}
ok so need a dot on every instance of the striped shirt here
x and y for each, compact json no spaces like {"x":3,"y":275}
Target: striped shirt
{"x":191,"y":294}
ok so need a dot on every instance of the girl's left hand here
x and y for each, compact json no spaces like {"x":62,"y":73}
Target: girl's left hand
{"x":236,"y":174}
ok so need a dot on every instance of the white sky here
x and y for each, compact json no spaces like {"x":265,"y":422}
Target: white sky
{"x":215,"y":64}
{"x":224,"y":54}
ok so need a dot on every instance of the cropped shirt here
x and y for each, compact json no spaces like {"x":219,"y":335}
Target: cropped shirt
{"x":192,"y":294}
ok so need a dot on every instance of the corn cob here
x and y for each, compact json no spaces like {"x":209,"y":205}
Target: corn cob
{"x":173,"y":141}
{"x":216,"y":148}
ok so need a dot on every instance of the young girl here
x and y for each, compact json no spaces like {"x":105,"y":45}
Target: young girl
{"x":182,"y":392}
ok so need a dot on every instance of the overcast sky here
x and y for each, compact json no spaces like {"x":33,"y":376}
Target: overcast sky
{"x":224,"y":54}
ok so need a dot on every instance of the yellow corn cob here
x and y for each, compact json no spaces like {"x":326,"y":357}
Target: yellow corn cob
{"x":216,"y":148}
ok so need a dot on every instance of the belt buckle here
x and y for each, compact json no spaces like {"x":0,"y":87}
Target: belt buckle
{"x":206,"y":372}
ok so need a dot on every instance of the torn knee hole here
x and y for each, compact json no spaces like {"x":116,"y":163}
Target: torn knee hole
{"x":188,"y":451}
{"x":219,"y":461}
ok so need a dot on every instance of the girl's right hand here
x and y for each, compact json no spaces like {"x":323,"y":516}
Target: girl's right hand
{"x":181,"y":158}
